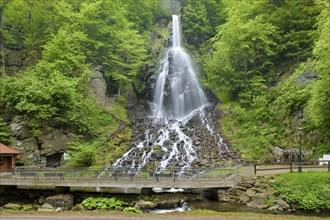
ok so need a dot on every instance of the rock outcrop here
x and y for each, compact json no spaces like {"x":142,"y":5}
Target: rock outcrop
{"x":51,"y":140}
{"x":97,"y":85}
{"x":254,"y":192}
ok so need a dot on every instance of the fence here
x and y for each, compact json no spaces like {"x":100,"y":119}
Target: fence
{"x":124,"y":173}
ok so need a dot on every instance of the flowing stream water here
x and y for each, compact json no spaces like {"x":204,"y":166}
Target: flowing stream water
{"x":168,"y":140}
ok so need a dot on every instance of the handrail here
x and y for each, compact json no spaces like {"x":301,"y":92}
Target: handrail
{"x":291,"y":165}
{"x":116,"y":173}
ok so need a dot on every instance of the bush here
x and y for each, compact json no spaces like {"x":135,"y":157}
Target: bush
{"x":132,"y":210}
{"x":103,"y":203}
{"x":310,"y":190}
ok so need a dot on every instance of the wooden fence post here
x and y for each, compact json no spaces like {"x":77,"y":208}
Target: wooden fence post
{"x":255,"y":168}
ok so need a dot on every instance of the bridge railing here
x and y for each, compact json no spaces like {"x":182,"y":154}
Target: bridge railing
{"x":123,"y":173}
{"x":291,"y":166}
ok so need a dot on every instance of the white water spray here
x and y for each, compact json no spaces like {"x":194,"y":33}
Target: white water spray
{"x":177,"y":91}
{"x":168,"y":139}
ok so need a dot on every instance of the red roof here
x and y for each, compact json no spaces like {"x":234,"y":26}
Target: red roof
{"x":7,"y":150}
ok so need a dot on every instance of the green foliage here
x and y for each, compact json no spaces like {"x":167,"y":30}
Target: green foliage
{"x":243,"y":48}
{"x":252,"y":138}
{"x":248,"y":46}
{"x":310,"y":190}
{"x":132,"y":210}
{"x":197,"y":26}
{"x":82,"y":154}
{"x":4,"y":132}
{"x":103,"y":203}
{"x":296,"y":34}
{"x":271,"y":202}
{"x":319,"y":104}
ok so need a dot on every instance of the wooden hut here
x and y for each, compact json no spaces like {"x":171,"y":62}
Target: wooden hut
{"x":7,"y":157}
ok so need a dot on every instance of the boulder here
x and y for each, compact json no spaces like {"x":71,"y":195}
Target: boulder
{"x":46,"y":207}
{"x":98,"y":85}
{"x":170,"y":203}
{"x":65,"y":201}
{"x":283,"y":204}
{"x":244,"y":199}
{"x":58,"y":209}
{"x":257,"y":203}
{"x":78,"y":207}
{"x":250,"y":193}
{"x":142,"y":205}
{"x":274,"y":207}
{"x":12,"y":206}
{"x":29,"y":207}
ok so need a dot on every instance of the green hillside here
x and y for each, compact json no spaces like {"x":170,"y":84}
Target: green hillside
{"x":268,"y":62}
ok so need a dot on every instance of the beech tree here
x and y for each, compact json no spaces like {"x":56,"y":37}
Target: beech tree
{"x":243,"y":47}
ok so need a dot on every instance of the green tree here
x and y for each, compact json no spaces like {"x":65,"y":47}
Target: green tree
{"x":118,"y":46}
{"x":3,"y":4}
{"x":243,"y":49}
{"x":319,"y":104}
{"x":197,"y":27}
{"x":296,"y":22}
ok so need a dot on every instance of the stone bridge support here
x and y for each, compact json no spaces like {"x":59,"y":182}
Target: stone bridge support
{"x":62,"y":189}
{"x":146,"y":191}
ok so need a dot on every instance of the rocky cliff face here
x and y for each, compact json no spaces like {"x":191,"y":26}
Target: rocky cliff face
{"x":51,"y":139}
{"x":97,"y":85}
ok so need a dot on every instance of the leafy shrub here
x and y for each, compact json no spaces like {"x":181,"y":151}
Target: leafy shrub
{"x":271,"y":202}
{"x":132,"y":210}
{"x":310,"y":190}
{"x":103,"y":203}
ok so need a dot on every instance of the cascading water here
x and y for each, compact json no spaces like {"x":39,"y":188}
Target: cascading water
{"x":177,"y":91}
{"x":179,"y":129}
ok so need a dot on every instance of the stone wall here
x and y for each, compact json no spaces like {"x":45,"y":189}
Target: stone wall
{"x":254,"y":192}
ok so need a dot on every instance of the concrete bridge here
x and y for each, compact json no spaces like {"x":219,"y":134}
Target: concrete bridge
{"x":124,"y":179}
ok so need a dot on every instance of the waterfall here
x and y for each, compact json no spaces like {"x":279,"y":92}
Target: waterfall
{"x":177,"y":91}
{"x":179,"y":130}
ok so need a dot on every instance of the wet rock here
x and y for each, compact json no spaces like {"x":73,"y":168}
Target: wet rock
{"x":170,"y":203}
{"x":143,"y":205}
